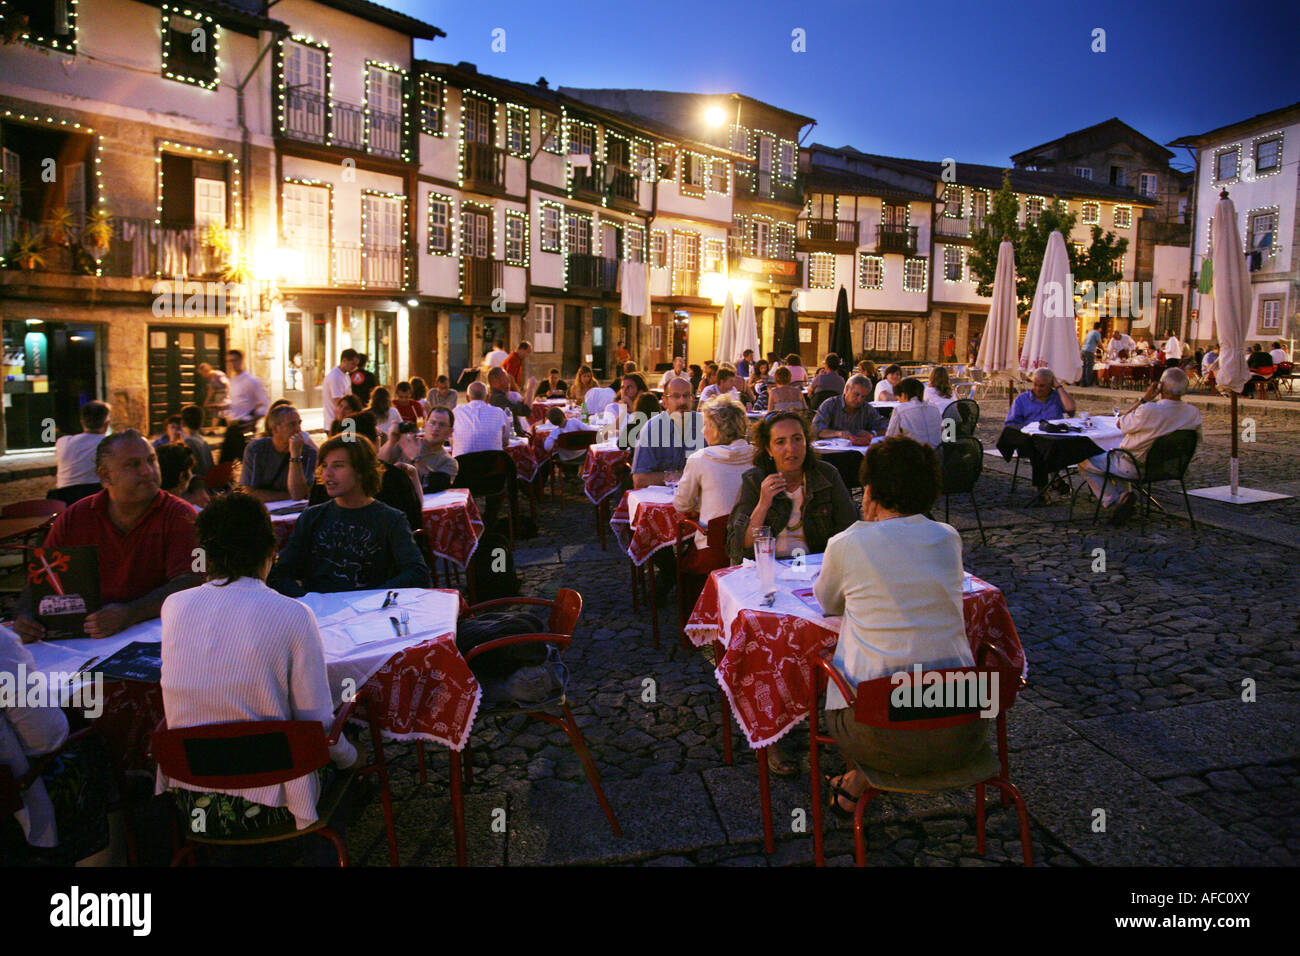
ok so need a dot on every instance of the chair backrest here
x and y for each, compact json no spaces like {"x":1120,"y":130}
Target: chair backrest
{"x":956,"y":698}
{"x":219,"y":475}
{"x":565,"y":611}
{"x":961,"y":463}
{"x":11,"y":797}
{"x":33,"y":508}
{"x":241,"y":755}
{"x":487,"y":465}
{"x":575,"y":441}
{"x":968,"y":411}
{"x":1169,"y":455}
{"x":821,"y":397}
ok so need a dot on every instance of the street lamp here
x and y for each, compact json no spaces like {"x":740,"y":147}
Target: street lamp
{"x":715,"y":116}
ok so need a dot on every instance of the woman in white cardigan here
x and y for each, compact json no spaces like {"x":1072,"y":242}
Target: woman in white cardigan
{"x":235,"y":650}
{"x":710,"y":482}
{"x":896,"y":577}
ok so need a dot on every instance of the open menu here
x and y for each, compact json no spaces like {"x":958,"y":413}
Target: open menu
{"x":65,"y":588}
{"x":809,"y":599}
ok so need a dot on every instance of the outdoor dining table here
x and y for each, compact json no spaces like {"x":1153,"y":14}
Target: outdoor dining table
{"x":1112,"y":373}
{"x":415,"y":686}
{"x":599,"y":475}
{"x":11,"y":528}
{"x":1050,"y":452}
{"x":542,"y":407}
{"x":645,"y":522}
{"x":761,"y":652}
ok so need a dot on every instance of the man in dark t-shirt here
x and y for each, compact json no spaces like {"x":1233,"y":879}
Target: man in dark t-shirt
{"x":353,"y":542}
{"x":363,"y":380}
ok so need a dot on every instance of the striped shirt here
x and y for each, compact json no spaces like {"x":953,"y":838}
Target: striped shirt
{"x":240,"y":651}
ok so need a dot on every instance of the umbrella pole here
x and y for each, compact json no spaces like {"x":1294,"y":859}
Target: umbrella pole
{"x":1232,"y":466}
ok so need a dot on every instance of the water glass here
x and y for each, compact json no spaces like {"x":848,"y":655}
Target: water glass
{"x":671,"y":478}
{"x":765,"y":559}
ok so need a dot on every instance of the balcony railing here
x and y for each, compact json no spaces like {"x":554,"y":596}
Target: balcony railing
{"x":592,"y":273}
{"x":347,"y":264}
{"x":829,"y":230}
{"x":589,"y":182}
{"x":481,"y":277}
{"x":623,"y":186}
{"x":313,"y":118}
{"x":768,"y":185}
{"x":137,"y":248}
{"x":891,"y":238}
{"x":485,"y":168}
{"x":686,"y":283}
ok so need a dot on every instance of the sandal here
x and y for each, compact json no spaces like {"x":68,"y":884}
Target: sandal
{"x":836,"y":792}
{"x":777,"y":765}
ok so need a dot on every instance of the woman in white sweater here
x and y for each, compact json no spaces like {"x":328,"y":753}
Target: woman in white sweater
{"x":896,"y":577}
{"x":710,"y":482}
{"x":235,"y":650}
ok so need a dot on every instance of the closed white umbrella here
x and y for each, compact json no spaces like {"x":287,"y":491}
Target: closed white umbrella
{"x":746,"y":329}
{"x":1052,"y":339}
{"x":1231,"y":296}
{"x":726,"y":331}
{"x":997,"y":354}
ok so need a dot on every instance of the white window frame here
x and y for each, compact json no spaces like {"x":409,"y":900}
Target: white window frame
{"x":634,"y":243}
{"x":1083,"y":172}
{"x":918,"y":267}
{"x":1267,"y":323}
{"x":551,"y":233}
{"x":659,"y":249}
{"x":1123,"y":217}
{"x":818,"y":276}
{"x":1143,"y":190}
{"x":1251,"y":216}
{"x":720,"y":177}
{"x":879,"y":261}
{"x":952,"y":256}
{"x":1234,"y":149}
{"x":1254,"y":154}
{"x":438,"y":113}
{"x":543,"y":327}
{"x":516,"y":228}
{"x":955,"y":202}
{"x":440,"y":222}
{"x":476,"y":238}
{"x":519,"y":138}
{"x":576,"y":236}
{"x":1091,"y":213}
{"x":1034,"y":206}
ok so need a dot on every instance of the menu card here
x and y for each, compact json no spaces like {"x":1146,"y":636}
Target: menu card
{"x":65,"y":588}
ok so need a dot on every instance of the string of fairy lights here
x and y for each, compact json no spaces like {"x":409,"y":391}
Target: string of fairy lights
{"x":212,"y":37}
{"x":66,"y":45}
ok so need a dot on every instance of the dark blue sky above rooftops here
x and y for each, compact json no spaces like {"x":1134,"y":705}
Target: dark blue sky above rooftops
{"x":931,"y":79}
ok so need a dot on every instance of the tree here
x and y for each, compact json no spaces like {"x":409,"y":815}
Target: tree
{"x":1099,"y":262}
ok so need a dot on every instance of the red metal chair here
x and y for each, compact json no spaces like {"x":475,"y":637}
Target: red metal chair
{"x":693,"y":570}
{"x":205,"y":756}
{"x":565,"y":610}
{"x":871,"y":705}
{"x":569,"y":441}
{"x":219,"y":475}
{"x":623,"y":472}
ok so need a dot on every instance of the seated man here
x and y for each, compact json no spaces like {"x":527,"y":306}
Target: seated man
{"x":829,"y":379}
{"x":1047,"y":400}
{"x":426,"y":452}
{"x":74,"y":455}
{"x":885,"y":389}
{"x":914,"y":417}
{"x":443,"y":395}
{"x":677,"y":371}
{"x":1141,"y":424}
{"x":850,"y":416}
{"x":352,"y":542}
{"x":726,"y":382}
{"x":281,"y":465}
{"x":144,"y":536}
{"x":564,"y":426}
{"x":1280,"y":355}
{"x":668,"y":438}
{"x":499,"y":383}
{"x":191,"y":423}
{"x":483,"y":427}
{"x":1261,"y":367}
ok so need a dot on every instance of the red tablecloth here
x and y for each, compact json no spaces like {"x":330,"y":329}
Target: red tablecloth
{"x":426,"y":692}
{"x":655,"y":528}
{"x":530,"y":457}
{"x":764,"y":671}
{"x":598,"y":478}
{"x":452,"y":526}
{"x":541,"y":408}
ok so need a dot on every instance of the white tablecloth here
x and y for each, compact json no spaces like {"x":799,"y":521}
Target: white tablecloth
{"x":655,"y":494}
{"x":345,"y":618}
{"x":1104,"y":433}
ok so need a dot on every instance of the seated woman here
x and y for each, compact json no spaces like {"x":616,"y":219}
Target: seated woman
{"x":801,"y":499}
{"x":583,"y":382}
{"x":914,"y":418}
{"x":710,"y":483}
{"x":274,"y":666}
{"x":781,"y":396}
{"x":175,"y":468}
{"x":896,"y":577}
{"x":798,"y":374}
{"x":939,"y":391}
{"x":386,"y":411}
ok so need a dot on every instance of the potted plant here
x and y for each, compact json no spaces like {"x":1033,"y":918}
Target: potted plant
{"x":25,"y":251}
{"x":98,"y":233}
{"x":58,"y":226}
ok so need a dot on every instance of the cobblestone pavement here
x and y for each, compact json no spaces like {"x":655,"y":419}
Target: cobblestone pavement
{"x":1132,"y":744}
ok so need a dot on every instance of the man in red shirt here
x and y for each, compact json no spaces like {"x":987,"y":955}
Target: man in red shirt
{"x":514,"y":364}
{"x":145,"y":538}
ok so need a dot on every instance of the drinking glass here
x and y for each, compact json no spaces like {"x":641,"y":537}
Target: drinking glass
{"x":671,"y":478}
{"x":765,"y":559}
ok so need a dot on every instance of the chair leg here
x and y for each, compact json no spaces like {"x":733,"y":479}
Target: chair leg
{"x":385,"y":794}
{"x":1187,"y":501}
{"x":978,"y":520}
{"x":650,"y":600}
{"x":1096,"y":512}
{"x":339,"y":847}
{"x":467,"y":761}
{"x":1002,"y":753}
{"x":1022,"y":813}
{"x":1015,"y":475}
{"x":457,"y":808}
{"x":765,"y":801}
{"x":636,"y":609}
{"x":979,"y":819}
{"x":593,"y":775}
{"x":859,"y":836}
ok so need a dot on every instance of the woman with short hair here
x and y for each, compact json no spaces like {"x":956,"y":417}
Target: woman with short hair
{"x":710,"y":482}
{"x":235,"y":650}
{"x":781,"y":395}
{"x":896,"y":578}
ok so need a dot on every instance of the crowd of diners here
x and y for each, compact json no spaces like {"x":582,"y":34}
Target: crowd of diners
{"x":737,"y":441}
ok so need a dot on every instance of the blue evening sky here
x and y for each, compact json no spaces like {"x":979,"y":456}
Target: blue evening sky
{"x":930,"y":79}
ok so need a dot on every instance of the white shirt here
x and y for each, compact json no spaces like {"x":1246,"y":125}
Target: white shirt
{"x":248,"y":397}
{"x":496,"y":357}
{"x":1173,"y":348}
{"x":241,"y":651}
{"x":1279,"y":356}
{"x":669,"y":375}
{"x":711,"y":480}
{"x":337,"y":384}
{"x":1113,"y":346}
{"x":934,"y":398}
{"x":898,"y":584}
{"x":570,"y":425}
{"x":29,"y":731}
{"x":919,"y":420}
{"x":75,"y":457}
{"x":1144,"y":424}
{"x":884,"y":391}
{"x":479,"y":427}
{"x":597,"y":398}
